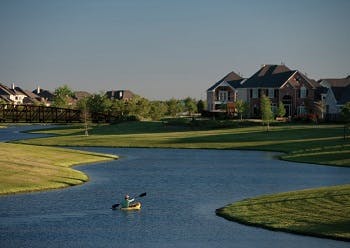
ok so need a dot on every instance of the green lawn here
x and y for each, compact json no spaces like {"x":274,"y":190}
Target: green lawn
{"x":25,"y":168}
{"x":322,"y":212}
{"x":302,"y":143}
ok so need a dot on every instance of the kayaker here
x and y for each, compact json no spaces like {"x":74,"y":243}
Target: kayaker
{"x":126,"y":202}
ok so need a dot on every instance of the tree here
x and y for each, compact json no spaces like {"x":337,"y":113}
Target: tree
{"x":174,"y":107}
{"x":82,"y":106}
{"x":62,"y":95}
{"x":157,"y":110}
{"x":281,"y":111}
{"x":99,"y":103}
{"x":143,"y":107}
{"x":266,"y":111}
{"x":200,"y":106}
{"x":345,"y":113}
{"x":190,"y":105}
{"x":241,"y":107}
{"x":118,"y":107}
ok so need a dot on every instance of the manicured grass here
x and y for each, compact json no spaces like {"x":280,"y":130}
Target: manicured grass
{"x":302,"y":143}
{"x":322,"y":212}
{"x":26,"y":168}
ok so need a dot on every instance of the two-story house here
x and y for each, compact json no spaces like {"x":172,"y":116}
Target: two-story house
{"x":278,"y":82}
{"x":337,"y":94}
{"x":224,"y":93}
{"x":14,"y":95}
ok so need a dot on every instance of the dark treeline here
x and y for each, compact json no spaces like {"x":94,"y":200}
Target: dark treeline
{"x":136,"y":108}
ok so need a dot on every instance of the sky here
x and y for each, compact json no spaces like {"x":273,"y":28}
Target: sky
{"x":161,"y":49}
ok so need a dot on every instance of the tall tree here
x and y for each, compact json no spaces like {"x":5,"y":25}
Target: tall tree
{"x":281,"y":110}
{"x":82,"y":106}
{"x":266,"y":111}
{"x":174,"y":107}
{"x":242,"y":108}
{"x":190,"y":105}
{"x":99,"y":103}
{"x":200,"y":106}
{"x":62,"y":95}
{"x":157,"y":110}
{"x":118,"y":107}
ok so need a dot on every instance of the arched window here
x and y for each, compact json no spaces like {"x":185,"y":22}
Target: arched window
{"x":303,"y":92}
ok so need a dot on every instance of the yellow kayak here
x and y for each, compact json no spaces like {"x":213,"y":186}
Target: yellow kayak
{"x":136,"y":206}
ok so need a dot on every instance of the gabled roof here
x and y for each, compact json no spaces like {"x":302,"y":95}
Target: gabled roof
{"x":337,"y":82}
{"x":269,"y":76}
{"x":340,"y":88}
{"x":44,"y":94}
{"x":233,"y":79}
{"x":341,"y":94}
{"x":5,"y":99}
{"x":4,"y":90}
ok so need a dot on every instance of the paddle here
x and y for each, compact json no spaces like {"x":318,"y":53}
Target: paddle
{"x":114,"y":206}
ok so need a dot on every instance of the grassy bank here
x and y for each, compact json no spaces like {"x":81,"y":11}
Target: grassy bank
{"x":25,"y":168}
{"x":322,"y":212}
{"x":322,"y":144}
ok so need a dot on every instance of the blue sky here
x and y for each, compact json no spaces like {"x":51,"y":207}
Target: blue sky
{"x":161,"y":49}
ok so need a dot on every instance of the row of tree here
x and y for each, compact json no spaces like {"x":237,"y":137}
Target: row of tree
{"x":138,"y":107}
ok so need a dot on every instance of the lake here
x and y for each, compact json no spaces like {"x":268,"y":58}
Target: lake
{"x":184,"y":187}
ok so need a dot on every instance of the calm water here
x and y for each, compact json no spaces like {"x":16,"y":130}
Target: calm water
{"x":184,"y":187}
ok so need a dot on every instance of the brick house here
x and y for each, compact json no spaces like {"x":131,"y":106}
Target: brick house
{"x":278,"y":82}
{"x":224,"y":93}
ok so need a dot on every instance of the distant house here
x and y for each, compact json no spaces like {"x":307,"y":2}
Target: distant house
{"x":278,"y":82}
{"x":31,"y":99}
{"x":224,"y":93}
{"x":337,"y":94}
{"x":78,"y":95}
{"x":46,"y":97}
{"x":125,"y":95}
{"x":14,"y":95}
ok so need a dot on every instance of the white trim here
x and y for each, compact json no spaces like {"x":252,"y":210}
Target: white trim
{"x":288,"y":80}
{"x":223,"y":83}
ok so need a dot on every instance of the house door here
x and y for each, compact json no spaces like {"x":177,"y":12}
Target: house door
{"x":287,"y":102}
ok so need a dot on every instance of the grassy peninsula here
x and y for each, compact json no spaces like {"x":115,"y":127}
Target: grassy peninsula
{"x":25,"y":168}
{"x":323,"y":212}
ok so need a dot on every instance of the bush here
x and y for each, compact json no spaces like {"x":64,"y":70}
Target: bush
{"x":306,"y":118}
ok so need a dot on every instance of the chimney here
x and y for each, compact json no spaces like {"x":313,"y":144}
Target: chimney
{"x":13,"y":86}
{"x":38,"y":89}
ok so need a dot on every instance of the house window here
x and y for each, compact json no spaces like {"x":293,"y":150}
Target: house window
{"x":255,"y":93}
{"x":271,"y":93}
{"x":301,"y":110}
{"x":223,"y":96}
{"x":303,"y":92}
{"x":274,"y":108}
